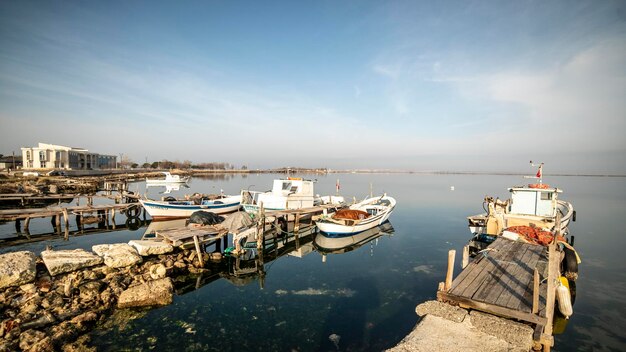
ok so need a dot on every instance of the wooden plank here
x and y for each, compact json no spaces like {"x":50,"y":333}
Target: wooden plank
{"x":514,"y":280}
{"x":492,"y":286}
{"x":525,"y":301}
{"x":484,"y":266}
{"x":490,"y":308}
{"x":503,"y":280}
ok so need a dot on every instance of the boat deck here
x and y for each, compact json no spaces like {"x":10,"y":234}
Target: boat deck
{"x":501,"y":281}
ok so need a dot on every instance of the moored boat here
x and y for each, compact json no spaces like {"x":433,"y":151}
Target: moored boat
{"x":289,"y":193}
{"x":171,"y":209}
{"x":359,"y":217}
{"x":534,"y":205}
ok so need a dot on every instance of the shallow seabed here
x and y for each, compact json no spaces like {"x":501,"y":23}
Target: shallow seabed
{"x":365,"y":298}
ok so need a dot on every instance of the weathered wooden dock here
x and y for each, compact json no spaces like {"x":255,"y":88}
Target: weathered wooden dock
{"x":104,"y":212}
{"x":510,"y":279}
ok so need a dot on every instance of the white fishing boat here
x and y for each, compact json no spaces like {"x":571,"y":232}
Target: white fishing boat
{"x":359,"y":217}
{"x":289,"y":193}
{"x":171,"y":209}
{"x":533,"y":205}
{"x":169,"y":179}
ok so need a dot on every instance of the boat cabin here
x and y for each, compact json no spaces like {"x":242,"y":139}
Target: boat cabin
{"x":535,"y":199}
{"x":289,"y":193}
{"x":292,"y":186}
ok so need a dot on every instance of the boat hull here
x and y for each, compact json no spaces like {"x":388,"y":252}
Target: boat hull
{"x":168,"y":210}
{"x":350,"y":227}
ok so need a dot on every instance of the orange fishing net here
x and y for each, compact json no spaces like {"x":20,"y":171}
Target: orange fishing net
{"x":351,"y":214}
{"x":535,"y":234}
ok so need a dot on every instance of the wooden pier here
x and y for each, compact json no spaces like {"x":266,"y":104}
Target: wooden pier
{"x":103,"y":213}
{"x":510,"y":279}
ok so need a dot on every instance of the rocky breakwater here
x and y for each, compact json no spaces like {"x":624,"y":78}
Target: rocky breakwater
{"x":51,"y":302}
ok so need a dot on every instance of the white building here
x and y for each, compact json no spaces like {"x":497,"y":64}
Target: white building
{"x":50,"y":156}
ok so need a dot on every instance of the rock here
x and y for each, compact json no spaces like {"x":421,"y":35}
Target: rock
{"x":29,"y":338}
{"x":28,"y":288}
{"x":158,"y":271}
{"x":63,"y":332}
{"x":441,"y":310}
{"x":44,"y":283}
{"x":17,"y":268}
{"x":438,"y":334}
{"x":90,"y":291}
{"x":80,"y":345}
{"x":516,"y":334}
{"x":84,"y":320}
{"x":64,"y":261}
{"x":146,"y":248}
{"x":117,"y":255}
{"x":152,"y":293}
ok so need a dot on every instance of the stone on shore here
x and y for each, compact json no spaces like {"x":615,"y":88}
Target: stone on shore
{"x":17,"y":268}
{"x":118,"y":255}
{"x":146,"y":247}
{"x":152,"y":293}
{"x":447,"y":328}
{"x":63,"y":261}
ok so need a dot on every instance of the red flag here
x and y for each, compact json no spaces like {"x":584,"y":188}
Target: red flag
{"x":539,"y":171}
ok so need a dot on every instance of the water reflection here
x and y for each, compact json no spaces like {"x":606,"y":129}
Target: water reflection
{"x":326,"y":244}
{"x":169,"y":187}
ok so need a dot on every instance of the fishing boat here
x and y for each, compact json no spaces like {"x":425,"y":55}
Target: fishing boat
{"x":325,"y":244}
{"x":170,"y":208}
{"x":169,"y":179}
{"x":534,"y":205}
{"x":359,"y":217}
{"x":289,"y":193}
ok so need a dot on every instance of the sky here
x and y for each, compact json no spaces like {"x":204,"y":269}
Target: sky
{"x":406,"y":85}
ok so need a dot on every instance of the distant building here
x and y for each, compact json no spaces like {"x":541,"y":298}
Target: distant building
{"x":50,"y":156}
{"x":10,"y":162}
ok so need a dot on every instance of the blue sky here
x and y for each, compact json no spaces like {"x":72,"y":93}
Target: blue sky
{"x":415,"y":85}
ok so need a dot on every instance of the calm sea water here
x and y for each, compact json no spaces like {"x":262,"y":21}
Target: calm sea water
{"x":367,"y":296}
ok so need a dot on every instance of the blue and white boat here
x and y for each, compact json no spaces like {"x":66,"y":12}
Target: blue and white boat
{"x":172,"y":209}
{"x":358,"y":217}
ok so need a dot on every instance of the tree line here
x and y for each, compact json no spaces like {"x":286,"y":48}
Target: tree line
{"x":127,"y":163}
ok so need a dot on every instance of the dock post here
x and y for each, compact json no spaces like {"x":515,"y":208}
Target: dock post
{"x":66,"y":221}
{"x":18,"y":226}
{"x":26,"y":223}
{"x":113,"y":218}
{"x":57,"y":223}
{"x":450,"y":273}
{"x":79,"y":225}
{"x":536,"y":292}
{"x":197,"y":243}
{"x":465,"y":257}
{"x":260,"y":227}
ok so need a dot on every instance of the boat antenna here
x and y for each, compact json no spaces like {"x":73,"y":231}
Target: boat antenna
{"x":539,"y":174}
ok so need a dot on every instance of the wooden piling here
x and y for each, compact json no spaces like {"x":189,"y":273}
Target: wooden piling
{"x":197,"y":244}
{"x":26,"y":223}
{"x":450,"y":272}
{"x":536,"y":292}
{"x":113,"y":218}
{"x":465,"y":257}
